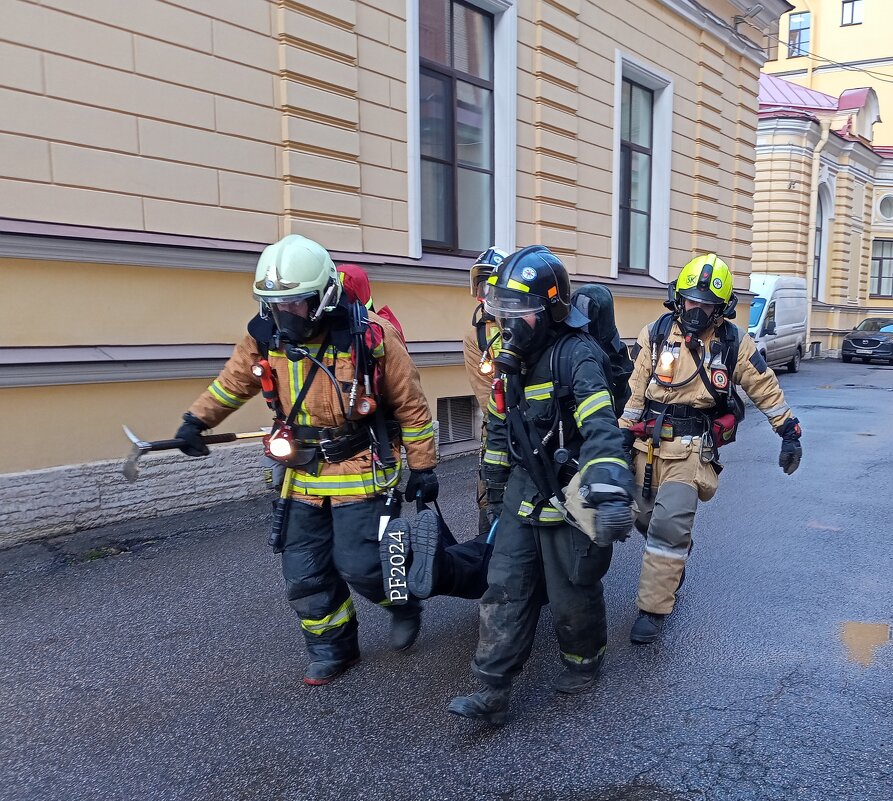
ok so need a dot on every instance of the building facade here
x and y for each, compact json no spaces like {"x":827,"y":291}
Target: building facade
{"x":824,"y":200}
{"x":151,"y":150}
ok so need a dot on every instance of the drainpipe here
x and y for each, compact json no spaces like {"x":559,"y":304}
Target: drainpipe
{"x":810,"y":237}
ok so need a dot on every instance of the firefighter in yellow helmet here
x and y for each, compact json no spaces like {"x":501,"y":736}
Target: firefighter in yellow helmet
{"x":685,"y":405}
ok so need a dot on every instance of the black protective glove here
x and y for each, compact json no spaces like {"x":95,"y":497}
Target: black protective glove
{"x":495,"y":481}
{"x":613,"y":522}
{"x":791,"y":449}
{"x":422,"y":486}
{"x":191,"y":434}
{"x":628,"y":439}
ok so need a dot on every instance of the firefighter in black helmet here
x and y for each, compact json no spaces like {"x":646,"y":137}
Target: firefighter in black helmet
{"x":539,"y":436}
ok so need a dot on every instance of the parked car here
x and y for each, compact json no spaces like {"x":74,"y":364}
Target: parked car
{"x":871,"y":339}
{"x":778,"y":318}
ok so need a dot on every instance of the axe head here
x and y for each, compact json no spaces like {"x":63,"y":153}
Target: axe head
{"x":130,"y":469}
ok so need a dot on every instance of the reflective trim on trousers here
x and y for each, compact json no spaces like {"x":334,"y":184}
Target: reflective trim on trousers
{"x":339,"y":617}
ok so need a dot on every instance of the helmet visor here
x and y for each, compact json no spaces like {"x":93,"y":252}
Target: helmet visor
{"x":701,"y":296}
{"x":291,"y":313}
{"x":510,"y":303}
{"x":478,"y":279}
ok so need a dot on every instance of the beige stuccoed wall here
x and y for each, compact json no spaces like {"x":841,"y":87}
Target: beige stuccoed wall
{"x":157,"y":116}
{"x":111,"y":304}
{"x":781,"y":208}
{"x":78,"y":423}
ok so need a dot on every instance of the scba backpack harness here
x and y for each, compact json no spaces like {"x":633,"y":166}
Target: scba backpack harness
{"x":366,"y":426}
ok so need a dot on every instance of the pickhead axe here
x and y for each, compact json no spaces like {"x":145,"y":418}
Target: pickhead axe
{"x":140,"y":446}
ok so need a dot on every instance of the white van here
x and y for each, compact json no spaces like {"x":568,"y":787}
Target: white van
{"x":778,"y":318}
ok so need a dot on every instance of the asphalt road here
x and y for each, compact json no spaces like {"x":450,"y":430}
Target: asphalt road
{"x":161,"y":661}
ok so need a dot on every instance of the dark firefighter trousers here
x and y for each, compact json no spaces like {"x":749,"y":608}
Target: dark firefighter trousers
{"x":529,"y":563}
{"x":328,"y":550}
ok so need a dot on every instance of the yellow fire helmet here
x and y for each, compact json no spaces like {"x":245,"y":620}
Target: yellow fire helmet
{"x":707,"y":279}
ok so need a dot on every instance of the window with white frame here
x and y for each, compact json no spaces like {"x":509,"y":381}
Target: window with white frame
{"x":456,"y":125}
{"x":881,"y":284}
{"x":819,"y":245}
{"x":462,"y":98}
{"x":636,"y":107}
{"x":798,"y":34}
{"x":851,"y":12}
{"x":642,"y":155}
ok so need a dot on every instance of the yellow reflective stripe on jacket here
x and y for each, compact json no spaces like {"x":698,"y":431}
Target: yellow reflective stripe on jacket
{"x":224,"y":396}
{"x":417,"y":433}
{"x":591,"y":405}
{"x":349,"y":484}
{"x":548,"y":514}
{"x":295,"y":383}
{"x":339,"y":617}
{"x":498,"y":458}
{"x":605,"y":460}
{"x":538,"y":391}
{"x":491,"y":409}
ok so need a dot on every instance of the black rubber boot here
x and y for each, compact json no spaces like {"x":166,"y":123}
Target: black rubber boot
{"x":647,"y":628}
{"x":491,"y":705}
{"x":575,"y":680}
{"x":326,"y":671}
{"x":424,"y":540}
{"x":405,"y":631}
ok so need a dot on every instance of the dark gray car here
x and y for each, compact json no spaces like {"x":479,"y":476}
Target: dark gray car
{"x":871,"y":339}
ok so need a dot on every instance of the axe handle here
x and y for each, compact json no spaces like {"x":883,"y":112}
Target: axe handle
{"x":210,"y":439}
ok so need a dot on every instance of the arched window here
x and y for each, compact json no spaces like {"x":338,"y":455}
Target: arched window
{"x":817,"y":257}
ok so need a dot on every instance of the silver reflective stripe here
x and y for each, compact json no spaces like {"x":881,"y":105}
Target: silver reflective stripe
{"x":777,"y":410}
{"x":680,"y":553}
{"x":609,"y":488}
{"x":629,"y":413}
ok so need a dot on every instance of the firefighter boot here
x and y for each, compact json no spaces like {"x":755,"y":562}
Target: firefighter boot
{"x":575,"y":680}
{"x":405,"y":630}
{"x":646,"y":628}
{"x":490,"y":704}
{"x":326,"y":671}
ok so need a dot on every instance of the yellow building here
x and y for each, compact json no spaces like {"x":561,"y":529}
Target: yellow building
{"x":151,"y":149}
{"x":824,"y":194}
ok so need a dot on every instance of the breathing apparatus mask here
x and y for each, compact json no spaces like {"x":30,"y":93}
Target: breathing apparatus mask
{"x":695,"y":321}
{"x":523,"y":322}
{"x":298,"y":318}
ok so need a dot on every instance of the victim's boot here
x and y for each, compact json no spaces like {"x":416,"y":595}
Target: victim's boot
{"x":405,"y":630}
{"x":426,"y":547}
{"x":490,"y":704}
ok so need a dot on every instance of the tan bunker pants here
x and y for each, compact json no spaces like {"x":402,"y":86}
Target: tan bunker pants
{"x":679,"y":480}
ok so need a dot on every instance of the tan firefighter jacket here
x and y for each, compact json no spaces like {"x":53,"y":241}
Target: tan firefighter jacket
{"x":751,"y":374}
{"x":357,"y":477}
{"x":481,"y":383}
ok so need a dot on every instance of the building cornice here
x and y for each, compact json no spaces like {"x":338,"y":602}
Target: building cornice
{"x":109,"y":364}
{"x":23,"y":239}
{"x":724,"y":30}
